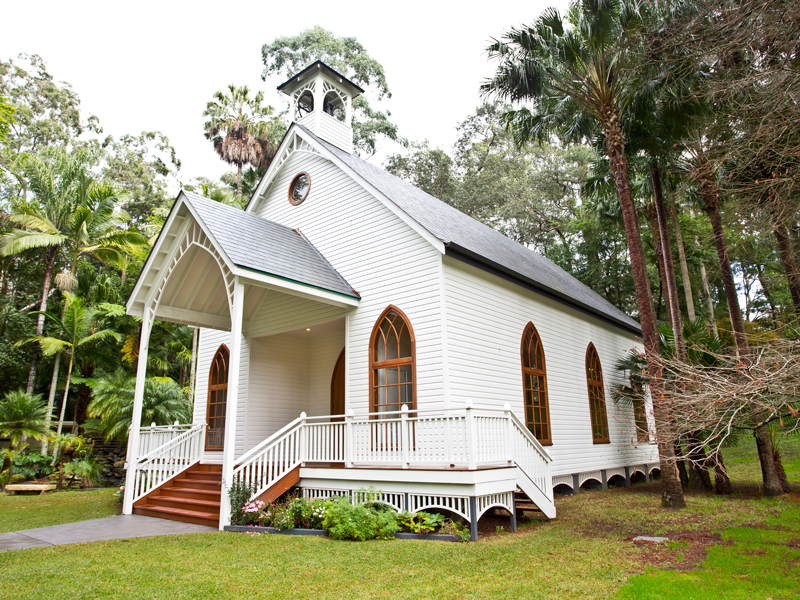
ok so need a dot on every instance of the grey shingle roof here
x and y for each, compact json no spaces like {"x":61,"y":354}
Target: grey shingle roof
{"x":254,"y":243}
{"x":463,"y":235}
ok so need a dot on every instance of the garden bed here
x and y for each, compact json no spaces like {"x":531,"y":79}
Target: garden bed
{"x":321,"y":532}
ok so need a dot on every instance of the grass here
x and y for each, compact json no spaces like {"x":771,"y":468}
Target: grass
{"x":585,"y":553}
{"x":28,"y":512}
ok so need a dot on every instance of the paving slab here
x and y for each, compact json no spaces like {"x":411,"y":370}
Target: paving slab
{"x":96,"y":530}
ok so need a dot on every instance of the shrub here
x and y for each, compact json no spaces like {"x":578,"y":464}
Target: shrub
{"x":239,"y":494}
{"x":309,"y":514}
{"x":33,"y":465}
{"x":346,"y":521}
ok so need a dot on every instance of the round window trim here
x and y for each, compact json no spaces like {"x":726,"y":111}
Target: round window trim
{"x":294,"y":183}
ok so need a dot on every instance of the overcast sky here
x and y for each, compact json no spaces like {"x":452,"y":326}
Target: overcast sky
{"x":154,"y":65}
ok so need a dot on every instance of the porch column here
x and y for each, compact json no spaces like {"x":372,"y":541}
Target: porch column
{"x":228,"y":455}
{"x":136,"y":421}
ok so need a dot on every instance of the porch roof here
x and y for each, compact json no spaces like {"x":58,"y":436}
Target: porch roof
{"x":256,"y":244}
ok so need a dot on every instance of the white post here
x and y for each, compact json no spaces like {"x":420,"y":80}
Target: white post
{"x":136,"y":420}
{"x":348,"y":438}
{"x":231,"y":400}
{"x":303,"y":454}
{"x":472,"y":438}
{"x":509,"y":434}
{"x":405,"y":443}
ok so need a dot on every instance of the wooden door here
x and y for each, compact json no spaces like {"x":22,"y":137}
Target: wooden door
{"x":337,"y":386}
{"x":217,"y":399}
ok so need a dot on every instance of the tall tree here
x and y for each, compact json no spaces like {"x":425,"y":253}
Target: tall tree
{"x":80,"y":331}
{"x":286,"y":56}
{"x":240,"y":128}
{"x":584,"y":62}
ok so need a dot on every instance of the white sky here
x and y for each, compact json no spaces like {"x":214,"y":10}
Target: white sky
{"x":154,"y":65}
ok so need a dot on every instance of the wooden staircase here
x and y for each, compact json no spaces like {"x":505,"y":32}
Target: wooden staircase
{"x":522,"y":502}
{"x":193,"y":497}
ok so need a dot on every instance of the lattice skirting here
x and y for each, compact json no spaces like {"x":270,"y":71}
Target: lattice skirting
{"x":459,"y":505}
{"x":596,"y":475}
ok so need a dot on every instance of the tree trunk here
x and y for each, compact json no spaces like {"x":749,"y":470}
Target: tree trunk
{"x":669,"y":266}
{"x":788,"y":259}
{"x":681,"y":464}
{"x":51,"y":398}
{"x":52,"y":253}
{"x":671,"y":491}
{"x":707,"y":293}
{"x":652,"y":218}
{"x":82,"y":399}
{"x":762,"y":280}
{"x":64,"y":401}
{"x":239,"y":182}
{"x":722,"y":483}
{"x":687,"y":283}
{"x":781,"y":472}
{"x":698,"y":475}
{"x":710,"y":195}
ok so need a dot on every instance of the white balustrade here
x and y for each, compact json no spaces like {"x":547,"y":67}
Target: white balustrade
{"x":183,"y":448}
{"x":155,"y":436}
{"x":468,"y":437}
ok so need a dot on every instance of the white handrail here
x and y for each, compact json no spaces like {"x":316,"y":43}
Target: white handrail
{"x":272,"y":459}
{"x":168,"y":460}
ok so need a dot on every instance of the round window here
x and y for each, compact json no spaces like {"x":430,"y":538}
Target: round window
{"x":298,"y":191}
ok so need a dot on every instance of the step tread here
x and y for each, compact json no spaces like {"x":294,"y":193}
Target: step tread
{"x":191,"y":490}
{"x":195,"y":480}
{"x":180,"y":511}
{"x":179,"y":500}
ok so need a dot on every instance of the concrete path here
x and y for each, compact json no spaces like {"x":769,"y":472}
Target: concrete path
{"x":95,"y":530}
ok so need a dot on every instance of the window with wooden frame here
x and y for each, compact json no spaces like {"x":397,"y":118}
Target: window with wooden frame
{"x":392,"y":363}
{"x":597,"y":397}
{"x":534,"y":381}
{"x":217,"y":399}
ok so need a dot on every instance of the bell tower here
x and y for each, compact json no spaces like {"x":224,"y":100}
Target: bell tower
{"x":322,"y":101}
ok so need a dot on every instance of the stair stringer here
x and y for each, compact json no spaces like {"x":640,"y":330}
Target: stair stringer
{"x":545,"y":504}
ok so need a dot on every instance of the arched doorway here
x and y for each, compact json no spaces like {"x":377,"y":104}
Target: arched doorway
{"x":217,"y":399}
{"x":337,"y":386}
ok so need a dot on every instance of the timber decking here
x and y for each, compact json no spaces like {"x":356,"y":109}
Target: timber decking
{"x":192,"y":497}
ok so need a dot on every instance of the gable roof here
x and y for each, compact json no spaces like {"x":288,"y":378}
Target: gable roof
{"x":256,"y":244}
{"x":470,"y":240}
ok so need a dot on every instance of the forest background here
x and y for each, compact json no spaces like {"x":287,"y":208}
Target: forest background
{"x":709,"y":103}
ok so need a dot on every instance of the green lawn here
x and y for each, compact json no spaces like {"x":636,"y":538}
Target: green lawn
{"x":27,"y":512}
{"x":585,"y":553}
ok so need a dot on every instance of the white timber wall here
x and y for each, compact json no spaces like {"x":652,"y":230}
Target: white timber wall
{"x":285,"y":375}
{"x":486,"y":318}
{"x":378,"y":254}
{"x":210,"y":341}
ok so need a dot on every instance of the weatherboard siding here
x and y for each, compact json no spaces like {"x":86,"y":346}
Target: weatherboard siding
{"x":486,"y":317}
{"x":209,"y":342}
{"x":378,"y":254}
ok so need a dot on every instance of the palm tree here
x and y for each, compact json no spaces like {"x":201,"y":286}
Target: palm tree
{"x":79,"y":327}
{"x":112,"y":403}
{"x":52,"y":176}
{"x":71,"y":211}
{"x":240,"y":128}
{"x":22,"y":416}
{"x":579,"y":73}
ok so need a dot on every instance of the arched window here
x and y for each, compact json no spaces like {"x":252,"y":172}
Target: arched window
{"x":391,"y":363}
{"x":534,"y":381}
{"x":597,"y":397}
{"x":217,"y":399}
